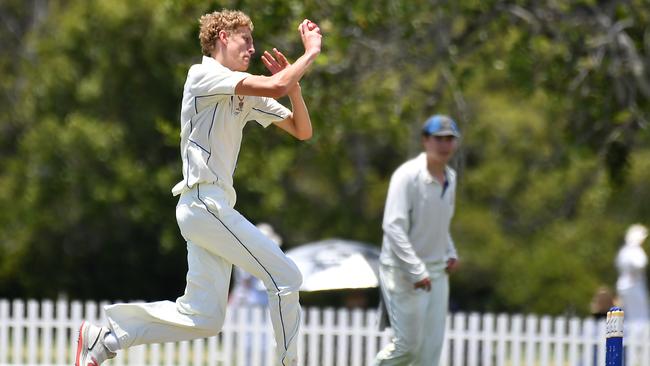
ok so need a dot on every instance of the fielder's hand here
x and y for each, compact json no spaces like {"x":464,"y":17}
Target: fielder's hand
{"x":452,"y":265}
{"x":424,"y":284}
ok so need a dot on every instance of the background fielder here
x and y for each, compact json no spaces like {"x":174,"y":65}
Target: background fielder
{"x":417,"y":249}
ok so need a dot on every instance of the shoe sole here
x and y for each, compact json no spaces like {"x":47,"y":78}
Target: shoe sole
{"x":80,"y":344}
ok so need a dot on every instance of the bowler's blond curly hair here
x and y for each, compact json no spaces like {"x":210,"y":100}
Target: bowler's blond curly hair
{"x":212,"y":23}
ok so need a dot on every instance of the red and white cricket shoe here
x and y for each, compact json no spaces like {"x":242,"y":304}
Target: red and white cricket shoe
{"x":91,"y":350}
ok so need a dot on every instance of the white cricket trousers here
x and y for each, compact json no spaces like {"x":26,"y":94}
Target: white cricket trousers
{"x":417,"y":317}
{"x":217,"y":237}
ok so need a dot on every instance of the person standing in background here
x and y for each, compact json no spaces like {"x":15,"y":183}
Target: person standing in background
{"x":601,"y":302}
{"x":631,"y":286}
{"x":417,"y":250}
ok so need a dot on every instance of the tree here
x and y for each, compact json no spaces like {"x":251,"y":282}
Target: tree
{"x":551,"y":98}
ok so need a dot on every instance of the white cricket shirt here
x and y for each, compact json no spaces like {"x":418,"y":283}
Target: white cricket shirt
{"x":212,"y":120}
{"x":631,"y":262}
{"x":416,"y":219}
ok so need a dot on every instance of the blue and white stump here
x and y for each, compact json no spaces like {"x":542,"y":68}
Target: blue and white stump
{"x":614,"y":333}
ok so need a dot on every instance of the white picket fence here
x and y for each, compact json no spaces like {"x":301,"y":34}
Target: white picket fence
{"x":44,"y":333}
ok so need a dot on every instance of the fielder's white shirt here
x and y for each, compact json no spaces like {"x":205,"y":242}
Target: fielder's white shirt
{"x":631,"y":262}
{"x":212,"y":120}
{"x":416,"y":219}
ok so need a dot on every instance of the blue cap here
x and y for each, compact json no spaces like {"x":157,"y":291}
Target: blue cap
{"x":440,"y":125}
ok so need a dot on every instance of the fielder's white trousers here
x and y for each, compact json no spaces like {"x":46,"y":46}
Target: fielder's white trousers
{"x":217,"y":237}
{"x":417,"y":317}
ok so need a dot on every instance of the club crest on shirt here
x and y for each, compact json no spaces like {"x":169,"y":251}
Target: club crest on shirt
{"x":238,"y":106}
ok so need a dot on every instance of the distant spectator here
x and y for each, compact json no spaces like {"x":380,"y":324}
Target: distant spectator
{"x":602,"y":301}
{"x":631,"y":285}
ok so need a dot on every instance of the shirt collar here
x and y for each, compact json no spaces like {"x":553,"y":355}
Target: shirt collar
{"x":424,"y":172}
{"x":207,"y":60}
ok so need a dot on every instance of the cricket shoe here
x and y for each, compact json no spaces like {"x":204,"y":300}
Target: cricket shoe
{"x":91,"y":350}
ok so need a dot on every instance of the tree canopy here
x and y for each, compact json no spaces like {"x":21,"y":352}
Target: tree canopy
{"x":551,"y":97}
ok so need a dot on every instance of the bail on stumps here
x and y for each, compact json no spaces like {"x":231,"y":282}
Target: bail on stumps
{"x":614,"y":334}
